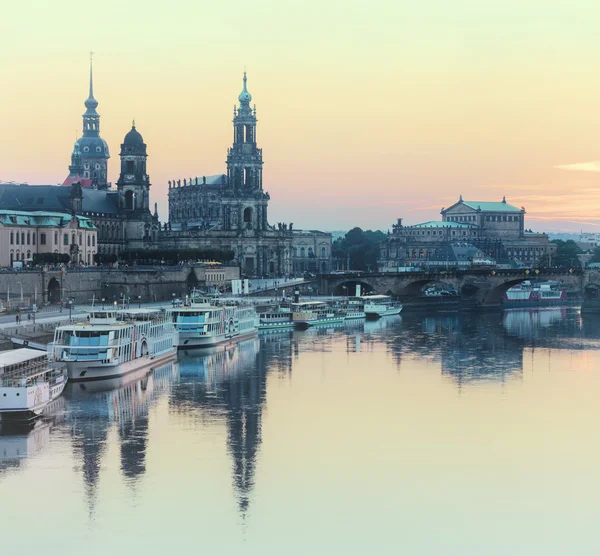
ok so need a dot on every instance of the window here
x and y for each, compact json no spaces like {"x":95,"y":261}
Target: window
{"x":65,"y":239}
{"x":28,"y":238}
{"x":129,"y":167}
{"x":80,"y":239}
{"x":22,"y":238}
{"x":93,"y":241}
{"x":89,"y":240}
{"x":42,"y":239}
{"x":12,"y":237}
{"x":323,"y":252}
{"x":18,"y":235}
{"x":33,"y":238}
{"x":55,"y":238}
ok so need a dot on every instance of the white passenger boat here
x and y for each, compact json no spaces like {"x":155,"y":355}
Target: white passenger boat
{"x":354,"y":308}
{"x":313,"y":313}
{"x":206,"y":322}
{"x":27,"y":383}
{"x":277,"y":319}
{"x":113,"y":343}
{"x":380,"y":306}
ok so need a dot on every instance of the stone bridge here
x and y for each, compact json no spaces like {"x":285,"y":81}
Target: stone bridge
{"x":482,"y":288}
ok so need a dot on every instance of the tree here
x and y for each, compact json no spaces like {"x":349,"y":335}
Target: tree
{"x":362,"y":247}
{"x":566,"y":254}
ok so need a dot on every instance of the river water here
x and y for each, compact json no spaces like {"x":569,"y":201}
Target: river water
{"x":418,"y":435}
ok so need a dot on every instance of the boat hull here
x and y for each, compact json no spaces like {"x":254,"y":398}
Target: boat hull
{"x":303,"y":324}
{"x":81,"y":371}
{"x":385,"y":313}
{"x":195,"y":341}
{"x":47,"y":393}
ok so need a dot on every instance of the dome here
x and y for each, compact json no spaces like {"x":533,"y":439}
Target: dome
{"x":245,"y":97}
{"x":91,"y":103}
{"x":133,"y":138}
{"x":93,"y":147}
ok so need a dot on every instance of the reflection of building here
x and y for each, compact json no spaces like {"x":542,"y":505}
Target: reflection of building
{"x":233,"y":381}
{"x":495,"y":228}
{"x":123,"y":402}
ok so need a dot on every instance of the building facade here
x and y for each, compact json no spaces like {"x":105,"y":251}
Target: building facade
{"x":23,"y":234}
{"x":495,"y":229}
{"x":230,"y":211}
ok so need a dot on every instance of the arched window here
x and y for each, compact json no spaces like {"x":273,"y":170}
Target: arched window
{"x":302,"y":252}
{"x":295,"y":252}
{"x":323,"y":252}
{"x":129,"y":200}
{"x":248,"y":214}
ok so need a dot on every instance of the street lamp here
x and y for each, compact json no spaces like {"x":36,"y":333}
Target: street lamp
{"x":103,"y":300}
{"x":140,"y":301}
{"x":21,"y":284}
{"x":70,"y":308}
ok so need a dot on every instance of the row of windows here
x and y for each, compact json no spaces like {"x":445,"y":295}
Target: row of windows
{"x":28,"y":238}
{"x":488,"y":218}
{"x":434,"y":232}
{"x":311,"y":254}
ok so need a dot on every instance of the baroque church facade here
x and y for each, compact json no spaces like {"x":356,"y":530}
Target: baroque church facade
{"x":227,"y":211}
{"x":230,"y":211}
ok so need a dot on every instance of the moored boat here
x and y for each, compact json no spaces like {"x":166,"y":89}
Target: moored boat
{"x":279,"y":318}
{"x":354,"y":308}
{"x":531,"y":294}
{"x":113,"y":343}
{"x":313,"y":313}
{"x":27,"y":383}
{"x":380,"y":306}
{"x":206,"y":322}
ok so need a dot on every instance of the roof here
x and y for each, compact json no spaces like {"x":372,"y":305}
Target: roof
{"x":485,"y":206}
{"x":41,"y":218}
{"x":456,"y":252}
{"x":13,"y":356}
{"x":85,"y":182}
{"x":55,"y":198}
{"x":443,"y":224}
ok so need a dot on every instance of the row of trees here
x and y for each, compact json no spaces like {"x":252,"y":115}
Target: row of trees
{"x":105,"y":258}
{"x":168,"y":256}
{"x":50,"y":258}
{"x":360,"y":247}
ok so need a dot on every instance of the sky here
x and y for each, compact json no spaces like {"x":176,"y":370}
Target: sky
{"x":368,"y":111}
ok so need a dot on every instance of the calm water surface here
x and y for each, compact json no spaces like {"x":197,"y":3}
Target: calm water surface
{"x":414,"y":435}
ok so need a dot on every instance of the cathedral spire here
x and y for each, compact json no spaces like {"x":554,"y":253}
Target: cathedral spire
{"x":91,"y":103}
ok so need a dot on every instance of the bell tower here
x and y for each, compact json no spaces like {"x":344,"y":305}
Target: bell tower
{"x":134,"y":182}
{"x":244,"y":158}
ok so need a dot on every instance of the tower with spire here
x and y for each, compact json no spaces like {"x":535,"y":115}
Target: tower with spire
{"x":244,"y":158}
{"x":94,"y":150}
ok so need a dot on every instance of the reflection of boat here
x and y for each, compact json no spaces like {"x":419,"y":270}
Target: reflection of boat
{"x":114,"y":343}
{"x":205,"y":322}
{"x":379,"y":324}
{"x":27,"y":384}
{"x":528,"y":323}
{"x":312,"y":313}
{"x":220,"y":362}
{"x":529,"y":293}
{"x":380,"y":306}
{"x":121,"y":397}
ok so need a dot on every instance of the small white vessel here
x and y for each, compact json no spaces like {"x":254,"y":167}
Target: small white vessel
{"x":312,"y":313}
{"x":277,"y":319}
{"x":27,"y":383}
{"x":380,"y":306}
{"x":206,"y":322}
{"x":113,"y":343}
{"x":354,"y":308}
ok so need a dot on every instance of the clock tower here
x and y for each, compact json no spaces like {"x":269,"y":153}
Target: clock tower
{"x":134,"y":183}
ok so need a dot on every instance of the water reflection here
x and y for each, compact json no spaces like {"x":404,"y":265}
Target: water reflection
{"x":350,"y":380}
{"x":228,"y":381}
{"x":95,"y":407}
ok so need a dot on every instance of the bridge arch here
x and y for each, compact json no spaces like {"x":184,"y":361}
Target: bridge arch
{"x":192,"y":280}
{"x":496,"y":295}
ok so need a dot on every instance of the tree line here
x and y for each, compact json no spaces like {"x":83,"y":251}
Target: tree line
{"x":171,"y":257}
{"x":50,"y":258}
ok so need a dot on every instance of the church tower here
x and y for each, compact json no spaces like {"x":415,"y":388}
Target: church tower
{"x":244,"y":158}
{"x":134,"y":182}
{"x":94,"y":150}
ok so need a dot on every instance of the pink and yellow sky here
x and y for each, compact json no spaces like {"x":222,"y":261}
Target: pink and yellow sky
{"x":368,"y":111}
